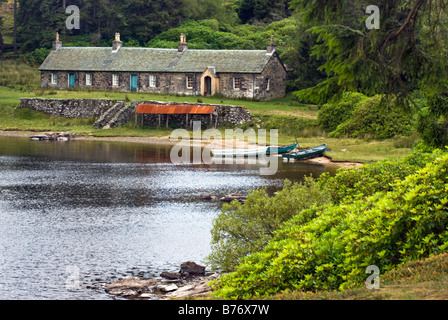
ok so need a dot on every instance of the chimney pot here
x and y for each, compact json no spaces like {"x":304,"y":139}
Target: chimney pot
{"x":57,"y":44}
{"x":183,"y":45}
{"x":116,"y":44}
{"x":271,"y":46}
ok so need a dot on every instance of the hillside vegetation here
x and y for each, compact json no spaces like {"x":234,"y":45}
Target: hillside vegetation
{"x":382,"y":214}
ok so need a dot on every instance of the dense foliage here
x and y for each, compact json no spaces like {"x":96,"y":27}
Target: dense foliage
{"x":244,"y":229}
{"x":329,"y":247}
{"x":375,"y":118}
{"x":406,"y":51}
{"x":432,"y":122}
{"x":332,"y":114}
{"x":357,"y":116}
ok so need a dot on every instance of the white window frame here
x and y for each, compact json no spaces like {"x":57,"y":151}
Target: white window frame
{"x":192,"y":82}
{"x":152,"y":81}
{"x":115,"y":80}
{"x":235,"y":86}
{"x":88,"y":79}
{"x":268,"y":84}
{"x":54,"y":78}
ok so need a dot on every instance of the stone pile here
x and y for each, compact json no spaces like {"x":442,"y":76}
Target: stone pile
{"x":53,"y":136}
{"x":191,"y":280}
{"x":234,"y":196}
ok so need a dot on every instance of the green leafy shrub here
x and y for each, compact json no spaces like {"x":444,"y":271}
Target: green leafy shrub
{"x":432,"y":122}
{"x":329,"y":248}
{"x":374,"y":118}
{"x":355,"y":183}
{"x":244,"y":229}
{"x":36,"y":57}
{"x":334,"y":113}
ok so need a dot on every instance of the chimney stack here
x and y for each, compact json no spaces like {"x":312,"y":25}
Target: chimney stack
{"x":183,"y":45}
{"x":116,"y":44}
{"x":57,"y":44}
{"x":271,"y":46}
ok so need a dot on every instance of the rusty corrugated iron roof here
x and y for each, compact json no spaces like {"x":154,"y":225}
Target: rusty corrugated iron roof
{"x":174,"y":109}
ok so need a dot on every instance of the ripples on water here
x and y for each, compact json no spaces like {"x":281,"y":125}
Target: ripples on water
{"x":107,"y":210}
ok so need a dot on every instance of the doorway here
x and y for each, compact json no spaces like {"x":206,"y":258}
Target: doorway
{"x":133,"y":82}
{"x":71,"y":80}
{"x":208,"y":86}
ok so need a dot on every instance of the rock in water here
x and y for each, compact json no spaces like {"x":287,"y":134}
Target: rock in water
{"x":234,"y":196}
{"x":208,"y":197}
{"x":192,"y":268}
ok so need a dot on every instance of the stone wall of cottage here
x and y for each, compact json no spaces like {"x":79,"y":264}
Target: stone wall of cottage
{"x":251,"y":85}
{"x":165,"y":83}
{"x":226,"y":85}
{"x":275,"y":72}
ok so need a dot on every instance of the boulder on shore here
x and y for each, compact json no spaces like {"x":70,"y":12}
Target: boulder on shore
{"x":191,"y":268}
{"x":191,"y":275}
{"x":131,"y":287}
{"x":171,"y":275}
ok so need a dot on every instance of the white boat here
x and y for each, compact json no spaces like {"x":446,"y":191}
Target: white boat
{"x":246,"y":152}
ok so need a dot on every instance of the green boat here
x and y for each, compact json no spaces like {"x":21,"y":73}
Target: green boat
{"x":307,"y":153}
{"x":281,"y":149}
{"x":253,"y":152}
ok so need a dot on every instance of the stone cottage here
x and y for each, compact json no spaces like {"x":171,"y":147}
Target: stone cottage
{"x":257,"y":74}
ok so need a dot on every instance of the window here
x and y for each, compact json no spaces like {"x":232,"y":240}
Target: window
{"x":115,"y":80}
{"x":190,"y":82}
{"x":268,"y":84}
{"x":54,"y":78}
{"x":152,"y":81}
{"x":236,"y":83}
{"x":88,"y":79}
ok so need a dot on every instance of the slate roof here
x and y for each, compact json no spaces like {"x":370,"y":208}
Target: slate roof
{"x":154,"y":60}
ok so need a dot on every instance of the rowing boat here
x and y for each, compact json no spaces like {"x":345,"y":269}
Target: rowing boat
{"x":307,"y":153}
{"x":253,"y":152}
{"x":281,"y":149}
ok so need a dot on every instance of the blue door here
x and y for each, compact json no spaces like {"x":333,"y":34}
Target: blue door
{"x":133,"y":83}
{"x":71,"y":80}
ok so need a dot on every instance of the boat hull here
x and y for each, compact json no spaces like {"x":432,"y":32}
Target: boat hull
{"x":252,"y":152}
{"x":306,"y":154}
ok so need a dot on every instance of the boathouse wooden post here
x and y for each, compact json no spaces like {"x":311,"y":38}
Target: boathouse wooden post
{"x":167,"y":117}
{"x":186,"y":120}
{"x":160,"y":120}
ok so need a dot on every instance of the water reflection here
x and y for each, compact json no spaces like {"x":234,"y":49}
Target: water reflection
{"x":109,"y":209}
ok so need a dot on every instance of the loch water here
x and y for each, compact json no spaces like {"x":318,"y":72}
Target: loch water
{"x":75,"y":215}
